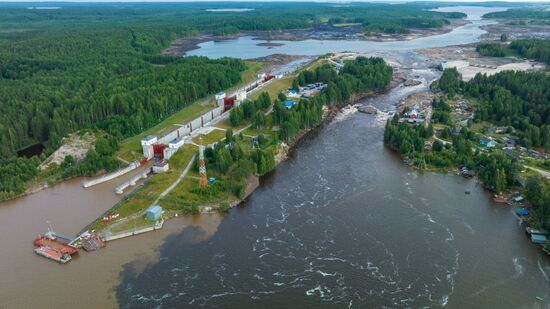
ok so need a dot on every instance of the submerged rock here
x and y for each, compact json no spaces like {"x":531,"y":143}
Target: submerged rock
{"x":369,"y":109}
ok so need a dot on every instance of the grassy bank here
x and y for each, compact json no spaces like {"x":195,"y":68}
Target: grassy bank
{"x":130,"y":148}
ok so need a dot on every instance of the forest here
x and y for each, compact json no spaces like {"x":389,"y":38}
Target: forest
{"x":509,"y":98}
{"x":538,"y":193}
{"x":538,"y":50}
{"x":491,"y":49}
{"x":100,"y":67}
{"x":533,"y":49}
{"x":523,"y":16}
{"x":495,"y":170}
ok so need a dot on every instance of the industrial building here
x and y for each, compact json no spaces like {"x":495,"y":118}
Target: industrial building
{"x":154,"y":213}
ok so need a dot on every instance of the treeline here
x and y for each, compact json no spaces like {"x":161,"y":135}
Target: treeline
{"x":491,"y":49}
{"x":233,"y":160}
{"x":517,"y":99}
{"x":523,"y":16}
{"x":537,"y":191}
{"x":358,"y":76}
{"x":253,"y":111}
{"x":533,"y":49}
{"x":16,"y":172}
{"x":495,"y":170}
{"x":101,"y":66}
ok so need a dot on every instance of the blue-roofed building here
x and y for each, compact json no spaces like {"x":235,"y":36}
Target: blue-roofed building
{"x":154,"y":213}
{"x":538,"y":239}
{"x":489,"y":143}
{"x":289,"y":103}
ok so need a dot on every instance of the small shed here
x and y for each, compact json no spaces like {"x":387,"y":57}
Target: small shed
{"x":489,"y":143}
{"x":522,"y":212}
{"x":538,"y":239}
{"x":288,"y":103}
{"x":154,"y":213}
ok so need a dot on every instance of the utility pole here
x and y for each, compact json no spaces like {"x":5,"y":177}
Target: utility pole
{"x":203,"y":182}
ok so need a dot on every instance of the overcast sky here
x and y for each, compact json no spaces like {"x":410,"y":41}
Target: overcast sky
{"x":388,"y":1}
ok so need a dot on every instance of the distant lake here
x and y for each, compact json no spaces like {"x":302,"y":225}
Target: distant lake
{"x":229,"y":10}
{"x":246,"y":47}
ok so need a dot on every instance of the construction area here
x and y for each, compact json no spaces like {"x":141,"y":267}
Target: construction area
{"x":468,"y":62}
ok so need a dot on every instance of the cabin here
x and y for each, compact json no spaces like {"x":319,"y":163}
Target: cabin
{"x":538,"y":239}
{"x":154,"y":213}
{"x":487,"y":142}
{"x":288,"y":104}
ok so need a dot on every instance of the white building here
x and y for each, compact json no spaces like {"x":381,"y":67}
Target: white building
{"x":161,"y":167}
{"x":177,"y":143}
{"x":219,"y":98}
{"x":147,"y":146}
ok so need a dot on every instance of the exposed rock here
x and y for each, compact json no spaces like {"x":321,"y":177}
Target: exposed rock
{"x":369,"y":109}
{"x":412,"y":82}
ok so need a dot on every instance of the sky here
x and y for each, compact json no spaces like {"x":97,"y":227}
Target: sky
{"x":331,"y":1}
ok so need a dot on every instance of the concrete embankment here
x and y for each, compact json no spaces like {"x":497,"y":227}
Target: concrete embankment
{"x":131,"y":182}
{"x":133,"y":232}
{"x":132,"y":166}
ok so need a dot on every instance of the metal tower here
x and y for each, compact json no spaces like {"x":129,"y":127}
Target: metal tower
{"x":203,"y":182}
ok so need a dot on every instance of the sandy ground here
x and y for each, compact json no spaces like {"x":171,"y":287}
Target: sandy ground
{"x":515,"y":32}
{"x":468,"y":62}
{"x":325,"y":32}
{"x":74,"y":145}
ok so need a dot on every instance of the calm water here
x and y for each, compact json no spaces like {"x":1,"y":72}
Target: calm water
{"x":246,"y":47}
{"x":344,"y":223}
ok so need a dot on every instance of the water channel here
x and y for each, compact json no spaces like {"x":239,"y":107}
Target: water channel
{"x":342,"y":223}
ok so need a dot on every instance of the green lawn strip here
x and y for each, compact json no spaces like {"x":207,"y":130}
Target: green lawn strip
{"x":144,"y":196}
{"x":255,"y":132}
{"x":131,"y":224}
{"x":210,"y":138}
{"x":130,"y":148}
{"x":187,"y":196}
{"x":274,"y":88}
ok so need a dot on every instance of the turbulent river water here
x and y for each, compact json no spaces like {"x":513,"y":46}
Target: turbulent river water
{"x":342,"y":223}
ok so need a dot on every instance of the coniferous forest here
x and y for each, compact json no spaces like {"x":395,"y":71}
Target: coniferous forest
{"x":101,"y":67}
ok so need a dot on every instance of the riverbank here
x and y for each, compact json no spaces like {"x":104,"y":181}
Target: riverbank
{"x":129,"y":212}
{"x":353,"y":33}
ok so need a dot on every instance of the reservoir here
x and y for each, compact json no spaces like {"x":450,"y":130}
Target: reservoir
{"x":342,"y":223}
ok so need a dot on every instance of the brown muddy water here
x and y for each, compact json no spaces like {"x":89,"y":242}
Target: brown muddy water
{"x":90,"y":279}
{"x":342,"y":223}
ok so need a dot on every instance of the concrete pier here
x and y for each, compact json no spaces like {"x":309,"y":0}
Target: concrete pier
{"x":131,"y":182}
{"x":132,"y":166}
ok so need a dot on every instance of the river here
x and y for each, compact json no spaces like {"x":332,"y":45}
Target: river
{"x":342,"y":223}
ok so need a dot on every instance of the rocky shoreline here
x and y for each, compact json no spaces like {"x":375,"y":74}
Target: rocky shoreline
{"x":181,"y":46}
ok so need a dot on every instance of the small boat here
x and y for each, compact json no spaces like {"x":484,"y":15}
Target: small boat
{"x":530,"y":231}
{"x":499,"y":199}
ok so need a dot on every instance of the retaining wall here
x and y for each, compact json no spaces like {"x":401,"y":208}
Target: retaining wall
{"x":132,"y":166}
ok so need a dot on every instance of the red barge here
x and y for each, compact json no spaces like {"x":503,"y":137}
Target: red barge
{"x":54,"y":247}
